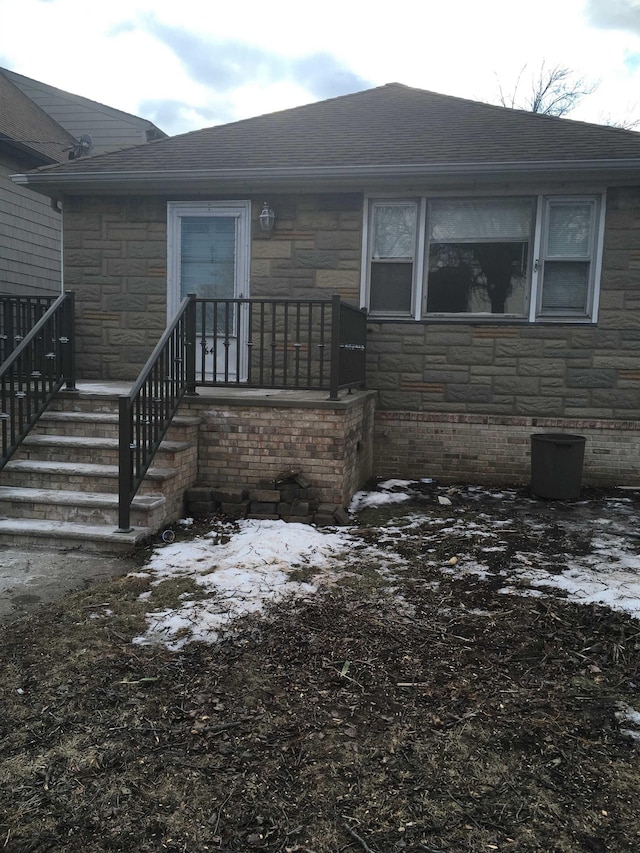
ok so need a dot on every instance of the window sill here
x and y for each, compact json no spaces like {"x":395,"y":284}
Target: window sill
{"x":489,"y":320}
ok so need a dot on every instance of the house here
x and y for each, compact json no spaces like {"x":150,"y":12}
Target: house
{"x":496,"y":253}
{"x":29,"y":226}
{"x":42,"y":125}
{"x":110,"y":129}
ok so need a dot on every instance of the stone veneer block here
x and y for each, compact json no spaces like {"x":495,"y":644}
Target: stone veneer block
{"x":264,"y":495}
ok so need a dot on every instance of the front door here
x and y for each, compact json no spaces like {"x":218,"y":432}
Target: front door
{"x":208,"y":254}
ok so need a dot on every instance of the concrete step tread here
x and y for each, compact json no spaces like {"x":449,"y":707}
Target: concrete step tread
{"x":80,"y":417}
{"x":99,"y":443}
{"x":105,"y":418}
{"x":35,"y":466}
{"x":104,"y":534}
{"x":19,"y":494}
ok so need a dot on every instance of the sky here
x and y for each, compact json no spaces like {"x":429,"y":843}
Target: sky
{"x":197,"y":63}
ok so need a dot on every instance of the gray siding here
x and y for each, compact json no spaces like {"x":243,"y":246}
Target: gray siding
{"x":29,"y":238}
{"x":110,"y":129}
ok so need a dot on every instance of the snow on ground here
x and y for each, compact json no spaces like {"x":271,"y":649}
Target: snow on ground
{"x":629,"y":720}
{"x":240,"y":572}
{"x":239,"y":569}
{"x":609,"y":576}
{"x":243,"y":568}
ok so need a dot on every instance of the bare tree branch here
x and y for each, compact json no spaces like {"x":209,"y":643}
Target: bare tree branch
{"x":623,"y":123}
{"x":554,"y":91}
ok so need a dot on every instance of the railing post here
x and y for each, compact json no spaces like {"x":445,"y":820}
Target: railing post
{"x":10,"y":327}
{"x":125,"y":481}
{"x":68,"y":331}
{"x":190,"y":344}
{"x":334,"y":373}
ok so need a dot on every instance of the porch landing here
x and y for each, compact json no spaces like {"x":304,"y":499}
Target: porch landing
{"x":280,"y":397}
{"x":60,"y":489}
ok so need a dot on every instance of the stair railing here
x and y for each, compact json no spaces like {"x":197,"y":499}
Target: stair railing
{"x":146,"y":412}
{"x":33,"y":373}
{"x":18,"y":315}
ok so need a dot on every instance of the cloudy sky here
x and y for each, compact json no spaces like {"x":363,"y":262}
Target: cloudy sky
{"x":187,"y":64}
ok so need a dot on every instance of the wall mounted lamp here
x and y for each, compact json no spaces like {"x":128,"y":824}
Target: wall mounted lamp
{"x":267,"y":217}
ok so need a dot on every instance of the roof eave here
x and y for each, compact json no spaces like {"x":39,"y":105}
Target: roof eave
{"x":356,"y":177}
{"x":39,"y":157}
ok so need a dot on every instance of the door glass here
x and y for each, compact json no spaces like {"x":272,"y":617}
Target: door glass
{"x":208,"y":262}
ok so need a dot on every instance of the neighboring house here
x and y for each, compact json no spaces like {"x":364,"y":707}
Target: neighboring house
{"x":29,"y":225}
{"x":41,"y":125}
{"x":497,"y":253}
{"x":110,"y":129}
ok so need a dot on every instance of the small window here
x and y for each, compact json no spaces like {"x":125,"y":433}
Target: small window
{"x":568,"y":258}
{"x":392,"y":252}
{"x":478,"y":259}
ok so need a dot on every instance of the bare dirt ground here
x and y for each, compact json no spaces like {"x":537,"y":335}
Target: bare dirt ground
{"x":427,"y":715}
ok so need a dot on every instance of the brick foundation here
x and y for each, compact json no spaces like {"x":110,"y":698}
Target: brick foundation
{"x":243,"y":442}
{"x":496,"y":449}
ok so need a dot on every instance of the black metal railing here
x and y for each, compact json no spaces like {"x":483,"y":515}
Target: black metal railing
{"x":310,"y":344}
{"x":35,"y":370}
{"x":146,"y":412}
{"x":18,"y":315}
{"x":258,"y":343}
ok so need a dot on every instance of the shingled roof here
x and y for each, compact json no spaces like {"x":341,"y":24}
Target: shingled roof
{"x":26,"y":127}
{"x":394,"y":129}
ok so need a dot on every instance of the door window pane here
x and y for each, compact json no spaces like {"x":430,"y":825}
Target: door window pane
{"x":208,"y":255}
{"x":208,"y":266}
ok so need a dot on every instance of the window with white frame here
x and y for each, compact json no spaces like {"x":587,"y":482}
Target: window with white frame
{"x":567,"y":263}
{"x":529,"y":257}
{"x":392,"y":255}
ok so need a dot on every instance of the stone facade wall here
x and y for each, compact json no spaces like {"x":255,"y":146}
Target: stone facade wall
{"x":313,"y":250}
{"x":496,"y":449}
{"x":455,"y":399}
{"x":570,"y":370}
{"x":241,"y":444}
{"x":115,"y":259}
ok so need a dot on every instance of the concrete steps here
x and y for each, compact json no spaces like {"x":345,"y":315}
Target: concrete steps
{"x":58,"y":448}
{"x":74,"y":475}
{"x":83,"y":507}
{"x":61,"y":487}
{"x":28,"y":532}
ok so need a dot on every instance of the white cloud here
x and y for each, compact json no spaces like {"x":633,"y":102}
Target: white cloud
{"x":111,"y":53}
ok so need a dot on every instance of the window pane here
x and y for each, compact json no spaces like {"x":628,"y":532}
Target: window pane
{"x":391,"y":287}
{"x":569,"y":230}
{"x":565,"y":287}
{"x":208,"y":256}
{"x":394,"y":230}
{"x":477,"y":278}
{"x":480,"y":219}
{"x":208,"y":265}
